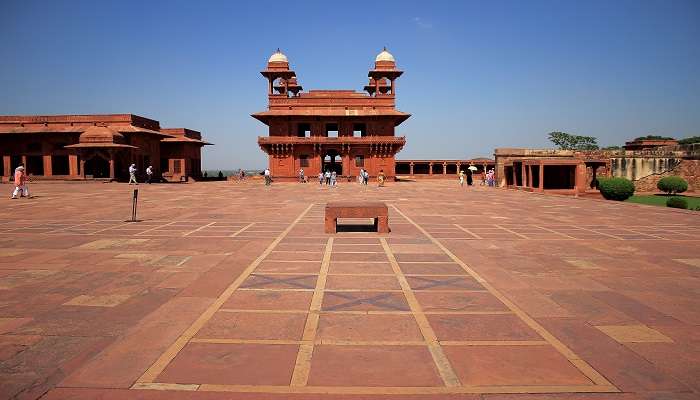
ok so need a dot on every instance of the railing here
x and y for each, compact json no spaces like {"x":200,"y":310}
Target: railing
{"x":331,"y":140}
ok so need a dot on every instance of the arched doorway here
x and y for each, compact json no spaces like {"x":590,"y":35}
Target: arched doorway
{"x":97,"y":167}
{"x":332,"y":162}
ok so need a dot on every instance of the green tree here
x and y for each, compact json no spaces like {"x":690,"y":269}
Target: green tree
{"x":567,"y":141}
{"x":690,"y":140}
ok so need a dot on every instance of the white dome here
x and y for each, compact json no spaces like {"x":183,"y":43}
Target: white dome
{"x":278,"y":57}
{"x":384,"y":56}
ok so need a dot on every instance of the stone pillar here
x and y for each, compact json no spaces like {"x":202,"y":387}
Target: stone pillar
{"x":430,"y":168}
{"x":541,"y":188}
{"x":580,"y":178}
{"x":444,"y":168}
{"x":529,"y":176}
{"x":523,"y":174}
{"x":73,"y":165}
{"x":410,"y":168}
{"x":393,"y":86}
{"x":48,"y":170}
{"x":515,"y":181}
{"x":82,"y":168}
{"x":111,"y":165}
{"x":26,"y":167}
{"x":346,"y":164}
{"x":7,"y":164}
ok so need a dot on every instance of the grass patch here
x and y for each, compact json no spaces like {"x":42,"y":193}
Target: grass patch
{"x":660,"y":200}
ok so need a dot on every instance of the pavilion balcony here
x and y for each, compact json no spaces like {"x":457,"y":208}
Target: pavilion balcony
{"x":398,"y":140}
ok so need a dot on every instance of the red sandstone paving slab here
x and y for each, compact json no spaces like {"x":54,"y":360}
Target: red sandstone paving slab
{"x":437,"y":282}
{"x":680,"y":361}
{"x":377,"y":248}
{"x":480,"y":327}
{"x":335,"y":282}
{"x":120,"y":364}
{"x":95,"y":321}
{"x":232,"y":364}
{"x":268,"y":300}
{"x":11,"y":345}
{"x":360,"y":268}
{"x":373,"y":366}
{"x":301,"y":267}
{"x":338,"y":256}
{"x":536,"y":304}
{"x":364,"y":301}
{"x":625,"y":369}
{"x":356,"y":240}
{"x":513,"y":365}
{"x":586,"y":307}
{"x":368,"y":327}
{"x":271,"y":281}
{"x":30,"y":373}
{"x":633,"y":308}
{"x":122,"y":394}
{"x":469,"y":301}
{"x":295,"y":256}
{"x":250,"y":325}
{"x":418,"y":268}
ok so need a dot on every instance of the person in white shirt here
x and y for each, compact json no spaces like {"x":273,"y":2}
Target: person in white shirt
{"x":268,"y":178}
{"x":149,"y":174}
{"x":132,"y":174}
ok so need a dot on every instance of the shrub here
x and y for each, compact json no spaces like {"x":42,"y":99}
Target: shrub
{"x":677,"y":202}
{"x":672,"y":184}
{"x":616,"y":188}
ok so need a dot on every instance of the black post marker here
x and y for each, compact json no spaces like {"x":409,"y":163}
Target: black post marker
{"x":134,"y":202}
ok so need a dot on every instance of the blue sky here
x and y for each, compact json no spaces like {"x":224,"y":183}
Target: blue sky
{"x":479,"y":75}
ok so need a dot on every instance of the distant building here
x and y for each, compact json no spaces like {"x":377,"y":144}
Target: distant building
{"x":97,"y":147}
{"x":576,"y":171}
{"x":338,"y":130}
{"x":437,"y":169}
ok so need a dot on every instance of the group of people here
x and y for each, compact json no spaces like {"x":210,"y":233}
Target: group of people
{"x":132,"y":174}
{"x":329,"y":177}
{"x":487,"y":178}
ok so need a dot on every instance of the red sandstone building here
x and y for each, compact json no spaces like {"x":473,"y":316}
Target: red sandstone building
{"x":97,"y":147}
{"x":337,"y":130}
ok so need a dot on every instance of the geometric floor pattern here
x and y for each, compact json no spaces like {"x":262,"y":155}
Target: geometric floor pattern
{"x":231,"y":290}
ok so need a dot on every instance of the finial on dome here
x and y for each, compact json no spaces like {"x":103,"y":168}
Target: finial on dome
{"x":385,"y":56}
{"x":278,"y":56}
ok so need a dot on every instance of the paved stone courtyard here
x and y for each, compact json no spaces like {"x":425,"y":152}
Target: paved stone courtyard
{"x":233,"y":291}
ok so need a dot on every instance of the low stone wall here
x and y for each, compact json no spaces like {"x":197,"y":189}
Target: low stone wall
{"x":686,"y":169}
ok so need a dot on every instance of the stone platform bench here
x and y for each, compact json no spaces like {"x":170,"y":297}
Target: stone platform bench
{"x":370,"y":209}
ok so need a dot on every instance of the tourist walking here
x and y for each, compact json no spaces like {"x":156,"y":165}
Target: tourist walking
{"x":470,"y":179}
{"x":21,"y":183}
{"x":149,"y":174}
{"x":334,"y":178}
{"x":301,"y":176}
{"x":483,"y":177}
{"x":361,"y":176}
{"x":327,"y":175}
{"x":241,"y":174}
{"x":268,"y":177}
{"x":381,"y":178}
{"x":365,"y":177}
{"x":132,"y":174}
{"x":461,"y":178}
{"x":320,"y":178}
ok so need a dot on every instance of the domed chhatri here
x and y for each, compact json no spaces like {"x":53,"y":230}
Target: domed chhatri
{"x":385,"y":56}
{"x":101,"y":134}
{"x":278,"y":56}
